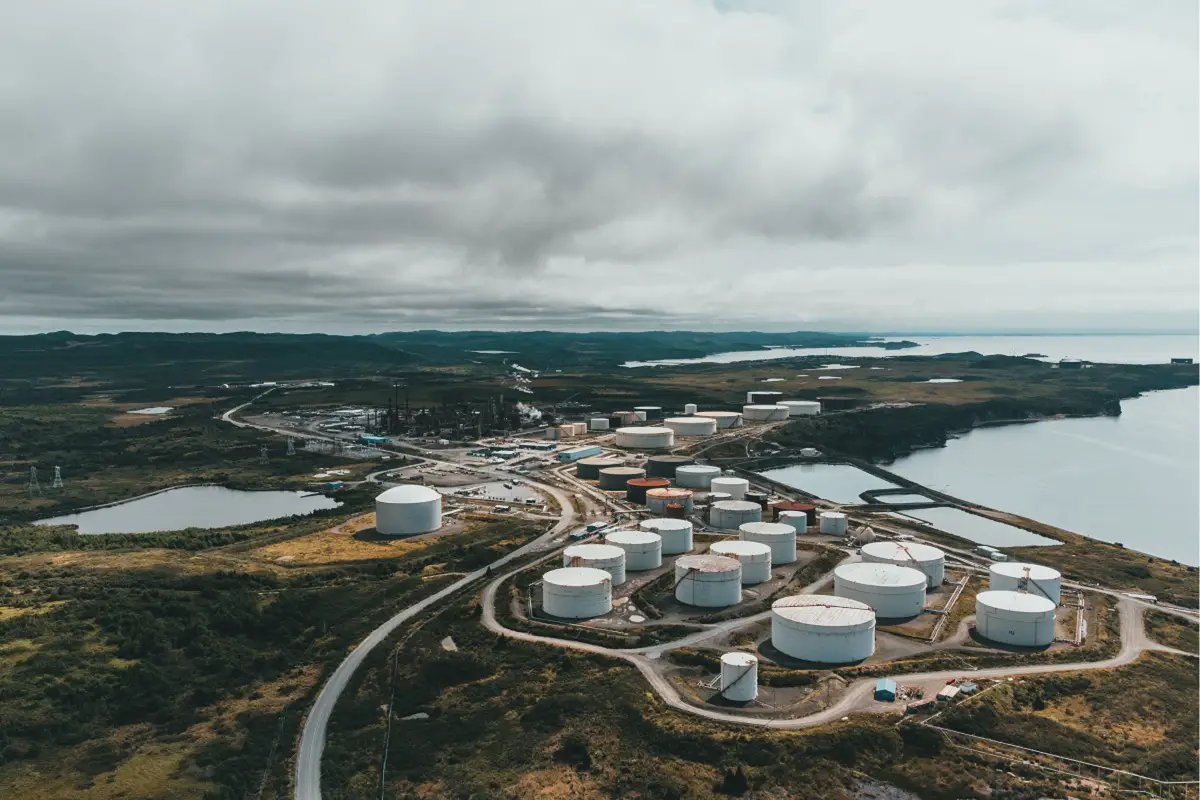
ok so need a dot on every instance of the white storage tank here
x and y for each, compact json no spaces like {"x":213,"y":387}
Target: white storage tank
{"x":1015,"y":576}
{"x":762,"y":413}
{"x":407,"y":510}
{"x":643,"y":549}
{"x":598,"y":424}
{"x":725,"y":419}
{"x":797,"y":519}
{"x":739,"y":677}
{"x":833,"y":523}
{"x":894,"y":592}
{"x":690,"y":410}
{"x":823,"y":629}
{"x":614,"y":479}
{"x":736,"y":488}
{"x":755,"y":558}
{"x":1016,"y":618}
{"x":645,"y":438}
{"x":779,"y":537}
{"x":926,"y":558}
{"x":576,"y":592}
{"x":718,"y":497}
{"x":641,"y":415}
{"x":676,"y":534}
{"x":801,"y":408}
{"x":691,"y":426}
{"x":607,"y":557}
{"x":696,"y":476}
{"x":708,"y":581}
{"x":729,"y":515}
{"x":657,"y":500}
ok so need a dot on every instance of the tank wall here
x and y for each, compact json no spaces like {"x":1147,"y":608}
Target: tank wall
{"x":405,"y":519}
{"x":783,"y":548}
{"x":694,"y":480}
{"x":1051,"y":588}
{"x":730,"y":520}
{"x":833,"y":526}
{"x":576,"y":605}
{"x":886,"y":605}
{"x":676,"y":541}
{"x":1034,"y":632}
{"x":823,"y":648}
{"x":708,"y":590}
{"x":739,"y":682}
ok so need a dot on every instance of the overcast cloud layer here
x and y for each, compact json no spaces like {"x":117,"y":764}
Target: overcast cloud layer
{"x":358,"y":166}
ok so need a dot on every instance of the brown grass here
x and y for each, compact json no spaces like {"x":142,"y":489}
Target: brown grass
{"x":353,"y":540}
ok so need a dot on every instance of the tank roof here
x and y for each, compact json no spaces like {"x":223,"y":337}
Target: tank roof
{"x":823,"y":610}
{"x":666,"y":524}
{"x":767,"y":528}
{"x":650,"y":482}
{"x":718,"y":414}
{"x":704,"y":469}
{"x":1015,"y":601}
{"x":593,"y":551}
{"x":1016,"y":569}
{"x":903,"y":551}
{"x":708,"y":563}
{"x":738,"y":659}
{"x":632,"y":537}
{"x":669,"y":492}
{"x":881,"y":574}
{"x":602,"y":461}
{"x":737,"y":505}
{"x":739,"y":548}
{"x":623,"y":471}
{"x":408,"y":493}
{"x":683,"y":460}
{"x":640,"y":430}
{"x":763,"y":406}
{"x":576,"y":576}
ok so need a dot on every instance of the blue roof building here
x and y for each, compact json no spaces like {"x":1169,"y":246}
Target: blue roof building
{"x":885,"y":690}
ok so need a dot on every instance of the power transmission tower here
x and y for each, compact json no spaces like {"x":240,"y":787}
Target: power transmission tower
{"x":263,"y":454}
{"x":33,"y":487}
{"x":58,"y":484}
{"x":291,"y":451}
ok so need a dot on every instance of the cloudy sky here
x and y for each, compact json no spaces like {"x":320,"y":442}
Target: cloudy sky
{"x":364,"y":166}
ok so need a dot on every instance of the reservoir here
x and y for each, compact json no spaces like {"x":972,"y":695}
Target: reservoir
{"x":841,"y":483}
{"x":1131,"y":479}
{"x":193,"y":507}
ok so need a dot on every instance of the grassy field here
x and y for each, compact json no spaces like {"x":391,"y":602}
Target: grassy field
{"x":1172,"y":631}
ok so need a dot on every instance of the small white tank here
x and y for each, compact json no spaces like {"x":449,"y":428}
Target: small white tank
{"x":607,"y":557}
{"x":643,"y":549}
{"x":755,"y":558}
{"x":657,"y":500}
{"x":598,"y":424}
{"x":739,"y":677}
{"x":641,"y":415}
{"x":1014,"y":576}
{"x":1016,"y":618}
{"x":689,"y":410}
{"x":708,"y":581}
{"x":576,"y":592}
{"x":823,"y":629}
{"x":729,"y":515}
{"x":676,"y":534}
{"x":779,"y":537}
{"x":696,"y":476}
{"x":736,"y":488}
{"x":797,"y":519}
{"x":801,"y":408}
{"x":718,"y":497}
{"x":893,"y":592}
{"x":924,"y":557}
{"x":691,"y":426}
{"x":833,"y":523}
{"x":725,"y":419}
{"x":764,"y":413}
{"x":649,"y":412}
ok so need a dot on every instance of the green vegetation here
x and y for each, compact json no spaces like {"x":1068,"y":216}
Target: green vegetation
{"x":1173,"y":631}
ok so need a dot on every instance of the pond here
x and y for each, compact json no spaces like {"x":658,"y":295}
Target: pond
{"x":193,"y":507}
{"x":841,"y":483}
{"x":980,"y":530}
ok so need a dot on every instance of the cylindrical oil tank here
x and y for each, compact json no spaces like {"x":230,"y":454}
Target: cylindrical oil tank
{"x":665,"y":466}
{"x":643,"y":549}
{"x":607,"y":557}
{"x":791,"y":505}
{"x":635,"y":490}
{"x":757,"y":497}
{"x":598,"y":424}
{"x":823,"y":629}
{"x":676,"y":534}
{"x":725,"y":419}
{"x":675,"y":511}
{"x":729,"y":515}
{"x":894,"y":592}
{"x":650,"y":412}
{"x":718,"y":497}
{"x":645,"y":438}
{"x":613,"y":479}
{"x":696,"y":476}
{"x":657,"y":500}
{"x":621,"y":419}
{"x":924,"y":557}
{"x":407,"y":510}
{"x":691,"y":426}
{"x":690,"y":409}
{"x":833,"y":523}
{"x":708,"y":581}
{"x":755,"y":558}
{"x":641,"y":415}
{"x":588,"y":469}
{"x":764,"y":413}
{"x":576,"y":592}
{"x":797,"y":519}
{"x":779,"y":537}
{"x":1015,"y":576}
{"x":1018,"y":618}
{"x":801,"y":408}
{"x":734,"y":487}
{"x":763,"y":398}
{"x":739,"y":677}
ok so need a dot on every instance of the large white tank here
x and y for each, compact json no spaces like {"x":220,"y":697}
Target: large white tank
{"x":894,"y":592}
{"x":657,"y":500}
{"x":576,"y":592}
{"x":407,"y":510}
{"x":736,"y":488}
{"x":643,"y":549}
{"x":1016,"y":618}
{"x":729,"y":515}
{"x":833,"y":523}
{"x":607,"y":557}
{"x":613,"y":479}
{"x":797,"y":519}
{"x":676,"y":534}
{"x":696,"y":476}
{"x":926,"y":558}
{"x":739,"y":677}
{"x":645,"y":438}
{"x":755,"y":558}
{"x":801,"y":408}
{"x":823,"y":629}
{"x":725,"y":419}
{"x":691,"y":426}
{"x":708,"y":581}
{"x":757,"y":413}
{"x":690,"y":410}
{"x":779,"y":537}
{"x":598,"y":424}
{"x":1016,"y":576}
